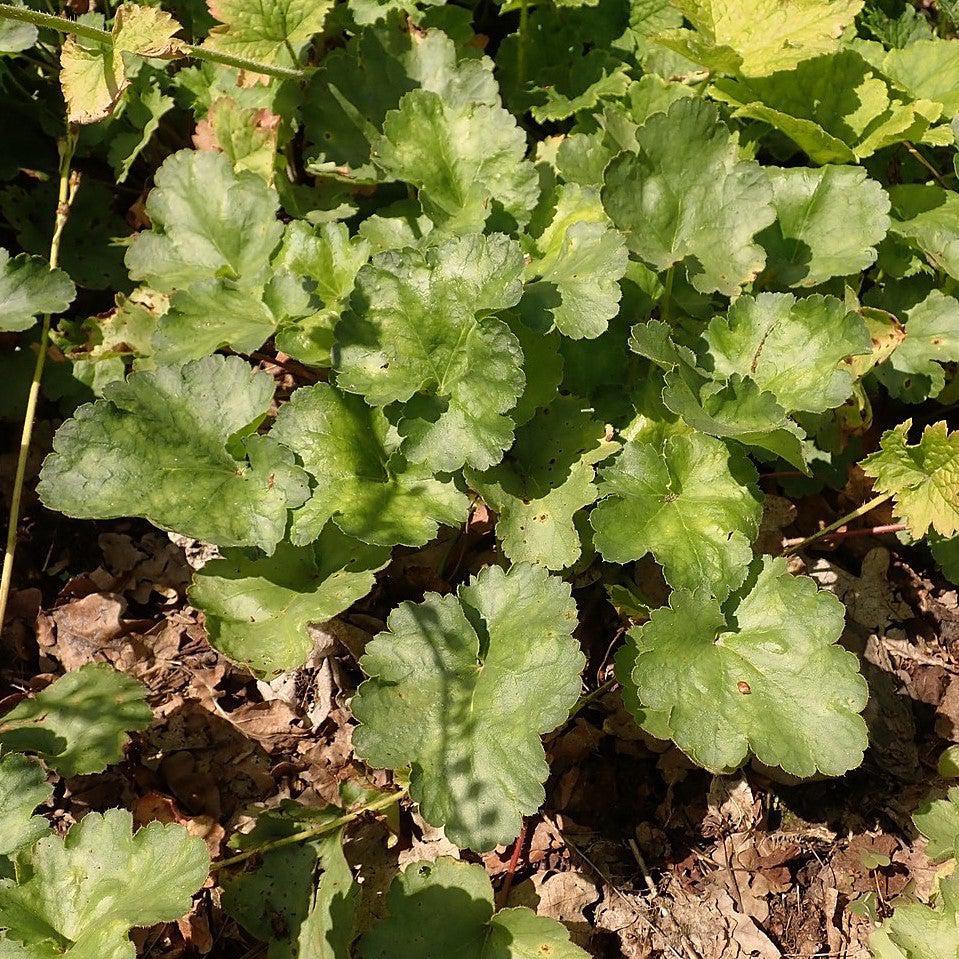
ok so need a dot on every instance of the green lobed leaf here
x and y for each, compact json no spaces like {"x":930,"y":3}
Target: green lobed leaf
{"x":914,"y":370}
{"x":462,"y":157}
{"x":81,"y":895}
{"x":915,"y":931}
{"x":833,"y":107}
{"x":301,"y":899}
{"x":924,"y":479}
{"x":23,"y":787}
{"x":686,"y":197}
{"x":764,"y":674}
{"x":576,"y":264}
{"x":207,"y":222}
{"x":28,"y":287}
{"x":797,"y":350}
{"x":257,"y":609}
{"x":274,"y":34}
{"x":926,"y":69}
{"x":758,"y":37}
{"x":363,"y":482}
{"x":828,"y":222}
{"x":543,"y":481}
{"x":927,"y":217}
{"x":446,"y":908}
{"x":79,"y":723}
{"x":159,"y":446}
{"x":421,"y":333}
{"x":938,"y":821}
{"x":690,"y":501}
{"x":449,"y":694}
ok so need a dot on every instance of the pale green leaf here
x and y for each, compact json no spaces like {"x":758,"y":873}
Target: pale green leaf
{"x":28,"y":287}
{"x":421,"y":332}
{"x":257,"y":609}
{"x":207,"y":222}
{"x":797,"y":350}
{"x":157,"y":446}
{"x":938,"y":821}
{"x":79,"y":896}
{"x":246,"y":135}
{"x":326,"y":255}
{"x":449,"y":693}
{"x":914,"y":370}
{"x":79,"y":723}
{"x":144,"y":107}
{"x":543,"y":481}
{"x":758,"y":37}
{"x":924,"y":479}
{"x":833,"y":107}
{"x":363,"y":483}
{"x":23,"y":787}
{"x":445,"y":908}
{"x":15,"y":37}
{"x":915,"y":931}
{"x":828,"y":222}
{"x":927,"y":69}
{"x":463,"y":157}
{"x":686,"y":197}
{"x":764,"y":674}
{"x":576,"y":265}
{"x":733,"y":409}
{"x":690,"y":501}
{"x":274,"y":33}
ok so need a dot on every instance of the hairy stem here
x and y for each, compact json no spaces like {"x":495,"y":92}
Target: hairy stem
{"x":69,"y":183}
{"x":63,"y":25}
{"x":881,"y":530}
{"x":867,"y":507}
{"x":320,"y":829}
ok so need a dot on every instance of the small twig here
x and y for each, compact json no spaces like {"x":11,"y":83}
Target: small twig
{"x":69,"y":184}
{"x":867,"y":507}
{"x":643,"y":868}
{"x":511,"y":867}
{"x":588,"y":698}
{"x":382,"y":803}
{"x":63,"y":25}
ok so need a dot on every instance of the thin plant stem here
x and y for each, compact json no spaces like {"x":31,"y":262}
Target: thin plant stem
{"x":319,"y":830}
{"x":588,"y":698}
{"x":69,"y":183}
{"x":63,"y":25}
{"x":867,"y":507}
{"x":922,"y":160}
{"x":521,"y":46}
{"x":881,"y":530}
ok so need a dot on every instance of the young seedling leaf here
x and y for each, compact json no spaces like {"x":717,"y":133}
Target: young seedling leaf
{"x":938,"y":821}
{"x":362,"y":482}
{"x":448,"y":693}
{"x":544,"y":480}
{"x":421,"y":333}
{"x":916,"y":931}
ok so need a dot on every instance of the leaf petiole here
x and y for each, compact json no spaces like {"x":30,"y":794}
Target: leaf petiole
{"x":866,"y":507}
{"x":63,"y":25}
{"x":333,"y":824}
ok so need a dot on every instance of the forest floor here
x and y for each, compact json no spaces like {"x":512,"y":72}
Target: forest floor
{"x":639,"y":852}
